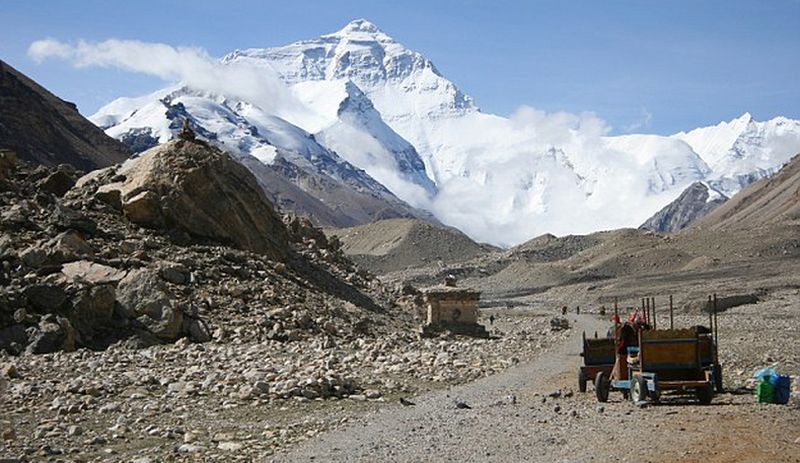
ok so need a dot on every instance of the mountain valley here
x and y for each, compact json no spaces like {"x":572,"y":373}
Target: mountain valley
{"x":243,"y":266}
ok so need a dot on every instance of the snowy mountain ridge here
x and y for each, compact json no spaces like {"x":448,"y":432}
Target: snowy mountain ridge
{"x":246,"y":131}
{"x":744,"y":150}
{"x":370,"y":103}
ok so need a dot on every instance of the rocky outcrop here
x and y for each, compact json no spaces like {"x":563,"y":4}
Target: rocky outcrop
{"x":203,"y":257}
{"x":191,"y":187}
{"x":695,"y":202}
{"x":44,"y":129}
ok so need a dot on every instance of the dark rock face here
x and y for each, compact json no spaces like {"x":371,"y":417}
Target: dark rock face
{"x":691,"y":205}
{"x":139,"y":140}
{"x":43,"y":129}
{"x":60,"y":181}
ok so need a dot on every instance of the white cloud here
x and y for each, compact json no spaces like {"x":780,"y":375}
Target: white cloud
{"x":504,"y":181}
{"x":189,"y":65}
{"x":644,"y":121}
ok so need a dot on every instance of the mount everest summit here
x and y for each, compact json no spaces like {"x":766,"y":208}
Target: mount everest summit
{"x":376,"y":131}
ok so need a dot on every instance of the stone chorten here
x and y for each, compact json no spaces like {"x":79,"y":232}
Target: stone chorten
{"x":453,"y":309}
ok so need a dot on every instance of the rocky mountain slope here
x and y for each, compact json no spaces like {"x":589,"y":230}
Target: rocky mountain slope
{"x":44,"y":129}
{"x":178,"y":241}
{"x":695,"y":202}
{"x":388,"y":110}
{"x":397,"y":244}
{"x":768,"y":202}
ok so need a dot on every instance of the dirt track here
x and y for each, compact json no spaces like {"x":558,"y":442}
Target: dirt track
{"x":538,"y":427}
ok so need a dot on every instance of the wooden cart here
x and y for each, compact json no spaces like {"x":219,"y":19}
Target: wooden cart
{"x":598,"y":357}
{"x":666,"y":360}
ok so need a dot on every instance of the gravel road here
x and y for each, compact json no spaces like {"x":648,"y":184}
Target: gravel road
{"x":494,"y":429}
{"x":573,"y":427}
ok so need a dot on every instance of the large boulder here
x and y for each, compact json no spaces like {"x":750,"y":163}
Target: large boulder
{"x":92,"y":309}
{"x":144,"y":296}
{"x":59,"y":182}
{"x":194,"y":188}
{"x":67,"y":246}
{"x":54,"y":333}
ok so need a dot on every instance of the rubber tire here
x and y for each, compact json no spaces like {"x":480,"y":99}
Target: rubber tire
{"x":705,"y":394}
{"x":581,"y":381}
{"x":639,"y":389}
{"x":601,"y":387}
{"x":718,"y":378}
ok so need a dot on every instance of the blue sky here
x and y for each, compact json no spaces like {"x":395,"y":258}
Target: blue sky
{"x":655,"y":67}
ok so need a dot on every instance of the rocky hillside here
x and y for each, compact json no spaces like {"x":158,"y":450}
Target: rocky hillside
{"x":44,"y":129}
{"x":178,"y":242}
{"x":391,"y":245}
{"x":771,"y":201}
{"x":696,"y":201}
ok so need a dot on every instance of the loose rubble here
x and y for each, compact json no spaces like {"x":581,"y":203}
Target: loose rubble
{"x":187,"y":399}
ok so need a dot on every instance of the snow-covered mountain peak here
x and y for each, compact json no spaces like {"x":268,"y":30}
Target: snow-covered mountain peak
{"x":402,"y":84}
{"x":360,"y":29}
{"x":742,"y":150}
{"x":744,"y":119}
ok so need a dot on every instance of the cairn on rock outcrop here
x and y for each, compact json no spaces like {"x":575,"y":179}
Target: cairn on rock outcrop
{"x":186,"y":132}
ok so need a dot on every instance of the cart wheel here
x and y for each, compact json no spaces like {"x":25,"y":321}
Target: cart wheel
{"x":581,"y":381}
{"x":639,"y":390}
{"x":601,"y":387}
{"x":705,"y":394}
{"x":718,"y":378}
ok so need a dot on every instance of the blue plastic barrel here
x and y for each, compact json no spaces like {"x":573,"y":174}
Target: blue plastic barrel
{"x":783,"y":388}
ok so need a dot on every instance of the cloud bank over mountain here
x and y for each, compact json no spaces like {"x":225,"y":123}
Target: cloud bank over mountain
{"x":190,"y":65}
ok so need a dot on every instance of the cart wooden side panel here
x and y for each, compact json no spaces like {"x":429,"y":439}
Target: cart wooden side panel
{"x":598,"y":351}
{"x":671,"y":354}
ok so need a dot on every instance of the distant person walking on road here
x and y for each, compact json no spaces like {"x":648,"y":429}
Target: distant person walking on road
{"x":577,"y":310}
{"x":564,"y":310}
{"x":491,"y":320}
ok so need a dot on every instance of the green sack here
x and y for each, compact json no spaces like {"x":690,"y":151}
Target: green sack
{"x":765,"y":392}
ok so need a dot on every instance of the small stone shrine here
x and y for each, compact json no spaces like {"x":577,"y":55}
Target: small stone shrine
{"x":452,"y":309}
